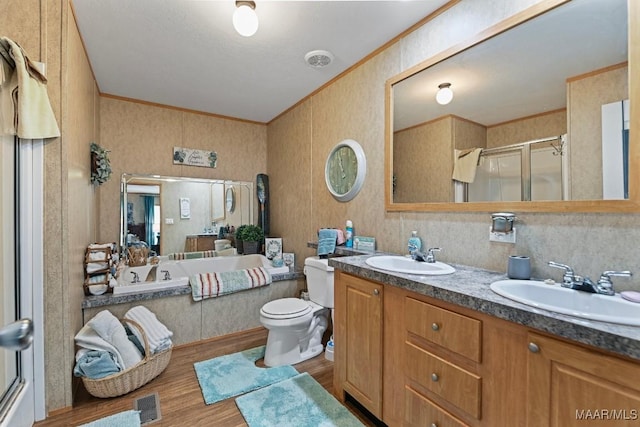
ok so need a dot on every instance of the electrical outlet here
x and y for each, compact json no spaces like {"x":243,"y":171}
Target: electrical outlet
{"x":168,"y":221}
{"x":503,"y":237}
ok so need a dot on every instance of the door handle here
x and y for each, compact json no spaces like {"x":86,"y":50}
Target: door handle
{"x":17,"y":335}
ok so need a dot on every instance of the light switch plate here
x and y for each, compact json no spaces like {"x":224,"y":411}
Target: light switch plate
{"x":502,"y":237}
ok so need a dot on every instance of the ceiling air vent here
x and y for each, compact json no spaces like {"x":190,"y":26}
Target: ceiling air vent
{"x":318,"y":58}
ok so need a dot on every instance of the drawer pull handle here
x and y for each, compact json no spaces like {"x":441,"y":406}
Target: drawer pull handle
{"x":435,"y":326}
{"x":533,"y":347}
{"x":376,"y":292}
{"x":435,"y":377}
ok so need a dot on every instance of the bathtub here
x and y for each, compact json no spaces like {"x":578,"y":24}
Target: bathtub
{"x":175,"y":274}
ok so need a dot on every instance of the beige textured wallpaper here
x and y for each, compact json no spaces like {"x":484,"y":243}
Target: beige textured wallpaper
{"x":141,"y":138}
{"x":585,"y":97}
{"x":527,"y":129}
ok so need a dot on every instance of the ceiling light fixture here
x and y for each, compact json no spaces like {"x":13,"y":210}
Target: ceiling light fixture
{"x":318,"y":58}
{"x":245,"y":20}
{"x":444,"y":94}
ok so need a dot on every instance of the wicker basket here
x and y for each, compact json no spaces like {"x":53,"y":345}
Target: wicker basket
{"x":132,"y":378}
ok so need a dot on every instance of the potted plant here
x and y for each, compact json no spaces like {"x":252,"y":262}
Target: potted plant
{"x":252,"y":237}
{"x":238,"y":238}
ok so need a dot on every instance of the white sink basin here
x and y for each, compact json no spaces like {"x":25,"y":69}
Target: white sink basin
{"x":401,"y":264}
{"x":555,"y":298}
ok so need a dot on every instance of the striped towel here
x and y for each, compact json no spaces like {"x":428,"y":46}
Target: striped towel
{"x":192,"y":255}
{"x":210,"y":285}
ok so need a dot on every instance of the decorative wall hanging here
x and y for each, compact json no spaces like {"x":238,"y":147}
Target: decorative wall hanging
{"x":100,"y":165}
{"x":193,"y":157}
{"x":185,"y":208}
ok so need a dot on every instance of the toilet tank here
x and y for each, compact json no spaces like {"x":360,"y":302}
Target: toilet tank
{"x":319,"y":281}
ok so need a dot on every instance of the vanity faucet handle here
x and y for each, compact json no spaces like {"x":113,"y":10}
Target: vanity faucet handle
{"x":430,"y":254}
{"x":605,"y":277}
{"x":568,"y":277}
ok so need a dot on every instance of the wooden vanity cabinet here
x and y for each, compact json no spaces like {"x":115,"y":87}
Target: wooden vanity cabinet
{"x":574,"y":386}
{"x":357,"y":336}
{"x":439,"y":364}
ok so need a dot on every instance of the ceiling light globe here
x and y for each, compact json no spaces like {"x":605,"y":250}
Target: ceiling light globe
{"x":444,"y":95}
{"x":245,"y":21}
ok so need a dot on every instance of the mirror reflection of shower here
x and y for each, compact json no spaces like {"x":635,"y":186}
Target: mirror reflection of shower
{"x":529,"y":171}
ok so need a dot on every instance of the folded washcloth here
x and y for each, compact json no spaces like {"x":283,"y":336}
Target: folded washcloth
{"x":89,"y":339}
{"x":465,"y":163}
{"x":209,"y":285}
{"x":327,"y":238}
{"x":92,"y":267}
{"x":95,"y":364}
{"x":158,"y":336}
{"x":111,"y":330}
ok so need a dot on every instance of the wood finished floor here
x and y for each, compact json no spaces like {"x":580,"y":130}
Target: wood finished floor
{"x":181,"y":401}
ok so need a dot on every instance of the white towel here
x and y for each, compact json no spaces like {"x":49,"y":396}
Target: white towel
{"x":111,"y":330}
{"x":465,"y":163}
{"x":33,"y":117}
{"x":89,"y":339}
{"x":158,"y":335}
{"x":92,"y":267}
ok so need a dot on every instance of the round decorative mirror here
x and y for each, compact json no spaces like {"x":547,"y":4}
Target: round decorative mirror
{"x":230,"y":200}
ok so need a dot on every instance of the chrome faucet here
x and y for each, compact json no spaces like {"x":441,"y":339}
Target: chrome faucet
{"x":136,"y":278}
{"x":151,"y":277}
{"x":604,"y":286}
{"x":166,"y":274}
{"x":428,"y":257}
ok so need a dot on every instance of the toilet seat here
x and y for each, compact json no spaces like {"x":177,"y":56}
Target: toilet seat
{"x":285,"y":308}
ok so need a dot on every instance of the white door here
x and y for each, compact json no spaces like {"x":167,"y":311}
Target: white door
{"x":16,"y":356}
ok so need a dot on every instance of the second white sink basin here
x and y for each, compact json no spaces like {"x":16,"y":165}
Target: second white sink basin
{"x":401,"y":264}
{"x":555,"y":298}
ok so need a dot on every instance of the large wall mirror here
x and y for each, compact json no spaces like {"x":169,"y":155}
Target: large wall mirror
{"x":539,"y":119}
{"x":162,"y":211}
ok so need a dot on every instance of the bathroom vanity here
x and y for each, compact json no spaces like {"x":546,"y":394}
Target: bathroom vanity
{"x":447,"y":351}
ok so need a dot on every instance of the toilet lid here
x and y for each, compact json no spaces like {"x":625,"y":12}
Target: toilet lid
{"x":289,"y":307}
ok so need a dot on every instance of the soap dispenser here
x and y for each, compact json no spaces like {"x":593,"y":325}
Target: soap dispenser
{"x":415,"y":244}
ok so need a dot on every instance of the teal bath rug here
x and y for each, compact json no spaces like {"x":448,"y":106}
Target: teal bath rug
{"x":299,"y":401}
{"x":235,"y":374}
{"x":122,"y":419}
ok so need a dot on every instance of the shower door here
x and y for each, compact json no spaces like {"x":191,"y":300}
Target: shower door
{"x":17,"y":399}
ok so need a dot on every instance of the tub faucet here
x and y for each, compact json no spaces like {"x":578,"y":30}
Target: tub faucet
{"x":166,"y":274}
{"x":136,"y":278}
{"x":151,"y":277}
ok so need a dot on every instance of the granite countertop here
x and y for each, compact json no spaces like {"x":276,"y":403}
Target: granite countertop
{"x":469,"y":287}
{"x":103,"y":300}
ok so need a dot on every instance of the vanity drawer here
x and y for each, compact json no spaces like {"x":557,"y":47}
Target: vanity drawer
{"x":453,"y":331}
{"x":421,"y":412}
{"x":454,"y":384}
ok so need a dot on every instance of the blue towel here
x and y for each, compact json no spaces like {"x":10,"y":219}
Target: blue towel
{"x":327,"y":238}
{"x":96,"y":364}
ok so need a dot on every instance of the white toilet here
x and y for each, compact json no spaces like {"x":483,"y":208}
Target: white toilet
{"x":295,"y":325}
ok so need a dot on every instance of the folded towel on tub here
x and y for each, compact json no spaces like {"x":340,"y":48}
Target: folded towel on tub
{"x":95,"y":364}
{"x":210,"y":285}
{"x":327,"y":238}
{"x":192,"y":255}
{"x":111,"y":330}
{"x":158,"y":335}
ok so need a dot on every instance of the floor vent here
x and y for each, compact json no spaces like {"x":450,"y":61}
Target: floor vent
{"x":149,"y":407}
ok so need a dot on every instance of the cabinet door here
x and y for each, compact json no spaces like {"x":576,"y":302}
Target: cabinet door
{"x":573,"y":386}
{"x":358,"y":340}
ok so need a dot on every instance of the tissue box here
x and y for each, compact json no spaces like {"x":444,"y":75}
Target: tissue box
{"x":363,"y":243}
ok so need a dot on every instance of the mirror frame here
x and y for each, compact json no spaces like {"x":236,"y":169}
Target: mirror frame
{"x":612,"y":206}
{"x":128,"y":177}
